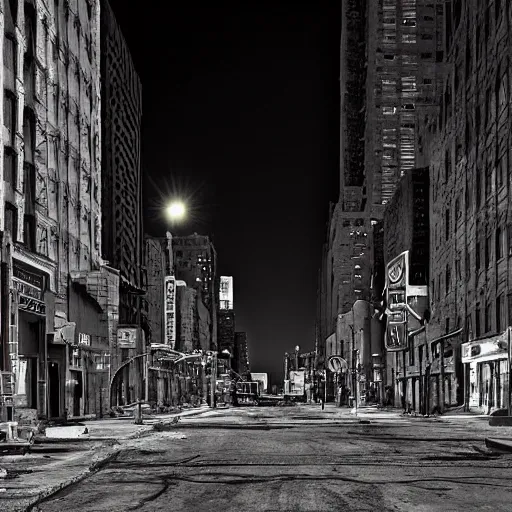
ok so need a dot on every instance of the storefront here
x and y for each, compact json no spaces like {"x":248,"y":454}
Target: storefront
{"x":27,"y":336}
{"x":486,"y":373}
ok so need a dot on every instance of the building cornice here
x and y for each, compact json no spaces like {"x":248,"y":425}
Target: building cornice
{"x":36,"y":261}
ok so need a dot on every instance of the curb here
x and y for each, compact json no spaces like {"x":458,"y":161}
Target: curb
{"x":503,"y":445}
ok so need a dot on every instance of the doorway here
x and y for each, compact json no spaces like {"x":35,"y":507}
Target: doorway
{"x":54,"y":390}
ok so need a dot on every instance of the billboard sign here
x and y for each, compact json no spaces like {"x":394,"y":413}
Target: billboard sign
{"x":405,"y":304}
{"x":226,"y":292}
{"x":170,"y":311}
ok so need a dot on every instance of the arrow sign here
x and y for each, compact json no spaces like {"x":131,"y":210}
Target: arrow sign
{"x":337,"y":364}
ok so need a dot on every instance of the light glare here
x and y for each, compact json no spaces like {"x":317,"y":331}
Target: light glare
{"x":176,"y":211}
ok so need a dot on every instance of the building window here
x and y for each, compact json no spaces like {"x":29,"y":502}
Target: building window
{"x":102,"y":361}
{"x":467,"y":196}
{"x":458,"y":211}
{"x":439,"y":56}
{"x":488,"y":181}
{"x":75,"y":357}
{"x":500,"y":306}
{"x":9,"y":63}
{"x":478,"y":187}
{"x":447,"y":225}
{"x":457,"y":269}
{"x":477,"y":256}
{"x":502,"y":169}
{"x":10,"y":166}
{"x":469,"y":327}
{"x":477,"y":321}
{"x":488,"y":106}
{"x":29,"y":232}
{"x":487,"y":254}
{"x":411,"y":350}
{"x":448,"y":278}
{"x":447,"y":165}
{"x":10,"y":117}
{"x":11,"y":220}
{"x":499,"y":244}
{"x":487,"y":318}
{"x":446,"y":325}
{"x":468,"y":265}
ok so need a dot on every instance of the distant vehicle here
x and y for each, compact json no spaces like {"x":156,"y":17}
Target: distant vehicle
{"x":248,"y":393}
{"x":294,"y":388}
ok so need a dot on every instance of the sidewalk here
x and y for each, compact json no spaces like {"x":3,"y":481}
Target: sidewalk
{"x":35,"y":476}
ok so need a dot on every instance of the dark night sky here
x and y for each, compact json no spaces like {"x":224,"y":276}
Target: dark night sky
{"x":241,"y":114}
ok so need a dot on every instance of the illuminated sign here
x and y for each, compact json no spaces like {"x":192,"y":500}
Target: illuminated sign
{"x":405,"y":304}
{"x":127,"y":337}
{"x":494,"y":347}
{"x":84,"y":339}
{"x":29,"y":286}
{"x":170,"y":311}
{"x":226,"y":292}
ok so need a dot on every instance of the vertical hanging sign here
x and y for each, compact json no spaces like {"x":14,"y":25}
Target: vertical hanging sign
{"x":170,"y":311}
{"x":396,"y":292}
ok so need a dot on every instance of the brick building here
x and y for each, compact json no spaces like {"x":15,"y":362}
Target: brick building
{"x":470,"y":187}
{"x":58,"y":300}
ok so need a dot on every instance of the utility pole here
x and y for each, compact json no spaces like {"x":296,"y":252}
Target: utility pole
{"x":213,"y":380}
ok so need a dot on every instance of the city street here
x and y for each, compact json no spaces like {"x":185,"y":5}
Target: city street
{"x":302,"y":459}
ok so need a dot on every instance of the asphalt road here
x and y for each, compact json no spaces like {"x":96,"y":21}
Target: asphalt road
{"x":296,"y":459}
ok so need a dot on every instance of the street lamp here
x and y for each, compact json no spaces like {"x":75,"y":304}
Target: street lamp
{"x":176,"y":211}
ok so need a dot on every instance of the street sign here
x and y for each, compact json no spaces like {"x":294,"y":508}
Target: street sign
{"x":337,"y":364}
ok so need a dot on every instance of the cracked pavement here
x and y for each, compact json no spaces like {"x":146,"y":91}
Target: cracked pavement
{"x":307,"y":460}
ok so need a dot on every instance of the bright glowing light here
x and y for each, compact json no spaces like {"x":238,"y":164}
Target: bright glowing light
{"x":176,"y":210}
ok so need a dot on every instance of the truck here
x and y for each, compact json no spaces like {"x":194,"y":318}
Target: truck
{"x":294,"y":386}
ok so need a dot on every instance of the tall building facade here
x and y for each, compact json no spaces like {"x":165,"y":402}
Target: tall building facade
{"x":121,"y":191}
{"x":121,"y":110}
{"x":241,"y":360}
{"x":58,"y":299}
{"x":409,"y":371}
{"x":195,"y":263}
{"x":470,"y":239}
{"x":391,"y":51}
